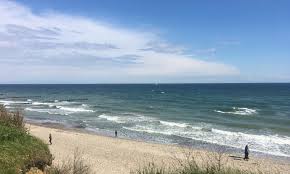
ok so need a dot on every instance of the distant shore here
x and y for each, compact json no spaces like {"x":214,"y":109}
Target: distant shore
{"x":116,"y":155}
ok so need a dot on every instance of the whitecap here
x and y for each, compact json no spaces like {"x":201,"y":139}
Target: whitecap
{"x":40,"y":103}
{"x":57,"y":109}
{"x":167,"y":123}
{"x":269,"y":144}
{"x":49,"y":111}
{"x":127,"y":118}
{"x":74,"y":109}
{"x":139,"y":128}
{"x":239,"y":111}
{"x":116,"y":119}
{"x":56,"y":103}
{"x":9,"y":102}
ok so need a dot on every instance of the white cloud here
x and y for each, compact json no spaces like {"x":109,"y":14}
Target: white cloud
{"x":59,"y":47}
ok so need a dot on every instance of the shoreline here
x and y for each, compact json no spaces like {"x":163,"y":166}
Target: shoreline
{"x":119,"y":155}
{"x":198,"y":145}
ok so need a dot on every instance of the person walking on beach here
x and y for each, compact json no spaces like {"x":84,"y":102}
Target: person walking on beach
{"x":50,"y":139}
{"x":246,"y":153}
{"x":116,"y":133}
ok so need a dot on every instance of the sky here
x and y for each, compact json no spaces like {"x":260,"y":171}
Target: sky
{"x":202,"y":41}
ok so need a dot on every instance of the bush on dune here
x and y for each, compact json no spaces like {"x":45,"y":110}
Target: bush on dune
{"x":11,"y":119}
{"x":19,"y":151}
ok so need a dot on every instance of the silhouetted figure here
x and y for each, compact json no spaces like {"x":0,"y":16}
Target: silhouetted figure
{"x":50,"y":139}
{"x":116,"y":133}
{"x":246,"y":153}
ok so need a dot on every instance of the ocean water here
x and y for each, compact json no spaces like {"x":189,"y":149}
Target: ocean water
{"x":223,"y":115}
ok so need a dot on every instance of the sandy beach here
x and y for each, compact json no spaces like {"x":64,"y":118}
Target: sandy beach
{"x":107,"y":155}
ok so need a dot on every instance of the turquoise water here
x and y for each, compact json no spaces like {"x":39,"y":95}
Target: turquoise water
{"x":229,"y":115}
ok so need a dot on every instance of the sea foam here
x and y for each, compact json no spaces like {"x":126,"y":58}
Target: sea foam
{"x":270,"y":144}
{"x":126,"y":118}
{"x":10,"y":102}
{"x":49,"y":111}
{"x":58,"y":107}
{"x":168,"y":123}
{"x":238,"y":111}
{"x":74,"y":109}
{"x":112,"y":118}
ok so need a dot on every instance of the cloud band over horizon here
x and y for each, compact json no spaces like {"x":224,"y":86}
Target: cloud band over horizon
{"x":56,"y":47}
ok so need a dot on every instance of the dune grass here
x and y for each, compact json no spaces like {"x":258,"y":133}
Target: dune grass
{"x":188,"y":168}
{"x":75,"y":165}
{"x":19,"y":151}
{"x":213,"y":163}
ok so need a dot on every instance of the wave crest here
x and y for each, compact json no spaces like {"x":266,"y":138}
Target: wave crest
{"x":173,"y":124}
{"x":269,"y":144}
{"x":238,"y":111}
{"x":11,"y":102}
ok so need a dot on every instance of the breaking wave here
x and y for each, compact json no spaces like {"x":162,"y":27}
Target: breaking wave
{"x":60,"y":110}
{"x":58,"y":107}
{"x":112,"y":118}
{"x":173,"y":124}
{"x":74,"y":109}
{"x":49,"y":111}
{"x":52,"y":107}
{"x":270,"y":144}
{"x":238,"y":111}
{"x":140,"y":119}
{"x":126,"y":118}
{"x":43,"y":103}
{"x":11,"y":102}
{"x":55,"y":103}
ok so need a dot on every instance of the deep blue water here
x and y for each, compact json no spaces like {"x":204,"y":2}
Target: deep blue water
{"x":230,"y":115}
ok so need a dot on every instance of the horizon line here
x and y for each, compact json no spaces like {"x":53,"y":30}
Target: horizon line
{"x":151,"y":83}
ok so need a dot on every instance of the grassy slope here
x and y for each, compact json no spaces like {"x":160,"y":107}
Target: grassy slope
{"x":18,"y":149}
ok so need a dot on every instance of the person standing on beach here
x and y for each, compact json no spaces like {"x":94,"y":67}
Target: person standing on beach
{"x":116,"y":133}
{"x":50,"y":139}
{"x":246,"y":153}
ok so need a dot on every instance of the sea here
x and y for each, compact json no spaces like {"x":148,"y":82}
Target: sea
{"x":224,"y":116}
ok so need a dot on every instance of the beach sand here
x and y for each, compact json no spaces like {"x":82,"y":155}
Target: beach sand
{"x":109,"y":155}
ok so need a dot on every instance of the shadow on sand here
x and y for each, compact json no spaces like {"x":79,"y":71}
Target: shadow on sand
{"x":236,"y":157}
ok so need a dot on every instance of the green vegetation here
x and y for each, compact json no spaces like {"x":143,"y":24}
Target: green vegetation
{"x":19,"y":151}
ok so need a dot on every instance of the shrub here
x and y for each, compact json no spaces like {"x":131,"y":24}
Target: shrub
{"x":14,"y":119}
{"x":19,"y":151}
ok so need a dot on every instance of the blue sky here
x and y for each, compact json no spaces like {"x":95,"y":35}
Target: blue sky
{"x":144,"y":41}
